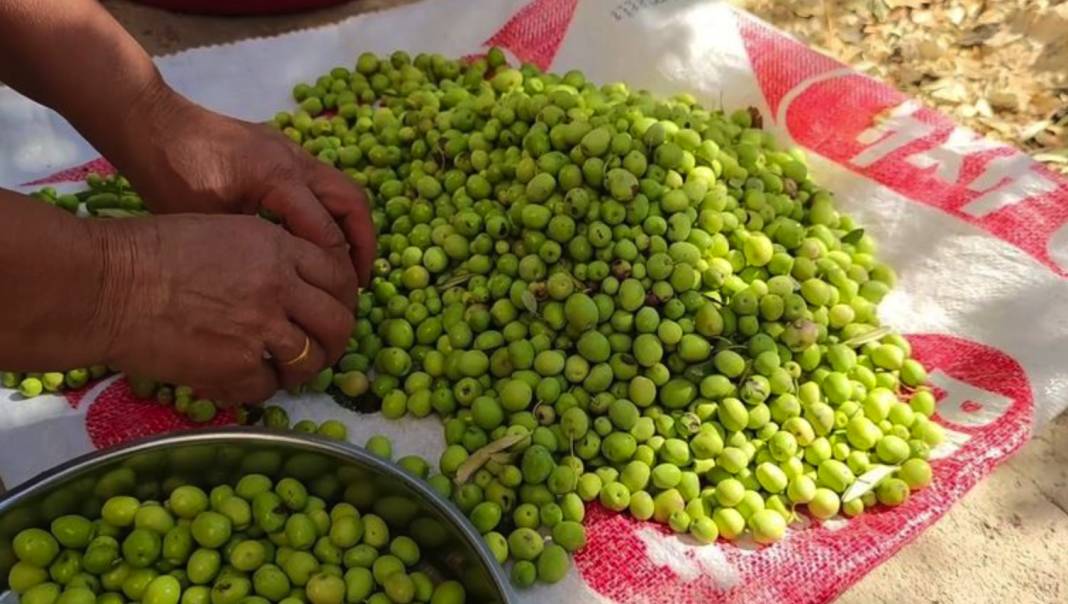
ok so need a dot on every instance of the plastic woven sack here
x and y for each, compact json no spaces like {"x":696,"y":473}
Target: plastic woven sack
{"x":975,"y":229}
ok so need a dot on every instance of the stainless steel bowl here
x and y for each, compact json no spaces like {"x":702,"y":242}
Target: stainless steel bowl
{"x":152,"y":467}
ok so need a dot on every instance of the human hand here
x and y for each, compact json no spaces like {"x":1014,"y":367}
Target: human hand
{"x":195,"y":160}
{"x":225,"y":304}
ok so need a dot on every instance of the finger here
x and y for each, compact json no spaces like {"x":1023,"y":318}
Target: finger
{"x":349,"y":205}
{"x":256,"y":384}
{"x":327,"y":270}
{"x":303,"y":215}
{"x":284,"y":341}
{"x":323,"y":318}
{"x":296,"y":357}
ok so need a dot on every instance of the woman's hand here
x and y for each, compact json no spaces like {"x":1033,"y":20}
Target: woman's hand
{"x":221,"y":303}
{"x":183,"y":158}
{"x":198,"y":300}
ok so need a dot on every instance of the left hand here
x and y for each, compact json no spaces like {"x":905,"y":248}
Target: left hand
{"x":188,"y":159}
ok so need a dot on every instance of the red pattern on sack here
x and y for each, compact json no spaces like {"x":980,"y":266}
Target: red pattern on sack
{"x":535,"y":32}
{"x":817,"y":562}
{"x":775,"y":73}
{"x":880,"y":133}
{"x":75,"y":397}
{"x":75,"y":174}
{"x":117,"y":416}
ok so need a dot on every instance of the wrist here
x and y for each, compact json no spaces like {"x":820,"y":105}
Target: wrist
{"x":162,"y":147}
{"x":150,"y":116}
{"x":124,"y":250}
{"x":154,"y":107}
{"x":138,"y":143}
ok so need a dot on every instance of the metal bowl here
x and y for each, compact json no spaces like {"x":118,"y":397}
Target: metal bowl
{"x":151,"y":468}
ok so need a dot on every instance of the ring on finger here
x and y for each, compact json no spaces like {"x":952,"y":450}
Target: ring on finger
{"x":303,"y":354}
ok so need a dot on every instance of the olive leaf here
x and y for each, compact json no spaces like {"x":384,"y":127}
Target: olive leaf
{"x":696,"y":373}
{"x":530,"y":302}
{"x":502,"y":458}
{"x":484,"y":454}
{"x":869,"y":336}
{"x":867,"y":481}
{"x":714,"y":296}
{"x":457,"y":279}
{"x":852,"y":237}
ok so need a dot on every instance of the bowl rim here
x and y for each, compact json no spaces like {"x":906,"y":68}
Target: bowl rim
{"x":42,"y":482}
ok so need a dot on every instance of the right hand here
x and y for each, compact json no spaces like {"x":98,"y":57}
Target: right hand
{"x":222,"y":303}
{"x":206,"y":163}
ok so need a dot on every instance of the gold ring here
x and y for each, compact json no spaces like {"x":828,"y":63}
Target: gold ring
{"x":303,"y":355}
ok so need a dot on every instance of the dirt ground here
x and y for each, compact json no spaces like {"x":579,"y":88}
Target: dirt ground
{"x":1000,"y":67}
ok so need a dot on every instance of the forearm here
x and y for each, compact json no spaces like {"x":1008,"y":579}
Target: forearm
{"x":56,"y":272}
{"x":72,"y":56}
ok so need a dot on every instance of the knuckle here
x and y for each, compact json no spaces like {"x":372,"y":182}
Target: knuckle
{"x":331,"y":233}
{"x":283,"y":285}
{"x":251,"y":361}
{"x":279,"y":332}
{"x":248,"y":369}
{"x":262,"y":318}
{"x":271,"y":287}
